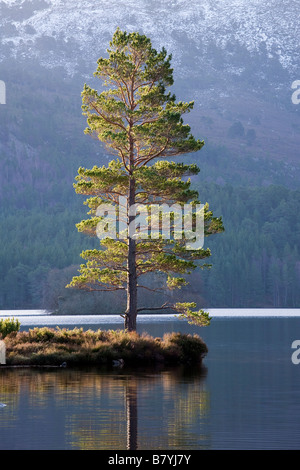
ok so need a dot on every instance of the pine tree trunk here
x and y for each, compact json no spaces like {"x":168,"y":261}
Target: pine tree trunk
{"x":131,"y":311}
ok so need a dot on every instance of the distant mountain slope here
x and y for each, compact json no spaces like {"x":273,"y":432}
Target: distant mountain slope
{"x":236,"y":58}
{"x":271,"y":26}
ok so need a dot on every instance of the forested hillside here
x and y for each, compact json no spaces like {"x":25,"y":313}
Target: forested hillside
{"x":250,"y":172}
{"x":255,"y":263}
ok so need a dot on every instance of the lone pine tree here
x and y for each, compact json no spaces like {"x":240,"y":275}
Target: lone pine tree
{"x":141,"y":125}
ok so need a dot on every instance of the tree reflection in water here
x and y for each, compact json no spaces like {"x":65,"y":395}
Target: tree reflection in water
{"x":132,"y":415}
{"x":104,"y":409}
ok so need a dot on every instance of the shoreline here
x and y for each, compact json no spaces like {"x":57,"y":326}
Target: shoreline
{"x":267,"y":312}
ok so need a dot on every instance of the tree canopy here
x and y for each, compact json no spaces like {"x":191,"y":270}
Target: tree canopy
{"x":141,"y":124}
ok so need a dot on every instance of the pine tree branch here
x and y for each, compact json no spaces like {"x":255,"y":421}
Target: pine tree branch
{"x":154,"y":289}
{"x":96,"y":289}
{"x":164,"y":306}
{"x":106,"y":118}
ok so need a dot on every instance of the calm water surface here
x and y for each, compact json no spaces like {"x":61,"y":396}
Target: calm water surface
{"x":245,"y":396}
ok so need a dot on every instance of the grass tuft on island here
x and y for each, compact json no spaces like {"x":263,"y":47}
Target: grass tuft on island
{"x":47,"y":346}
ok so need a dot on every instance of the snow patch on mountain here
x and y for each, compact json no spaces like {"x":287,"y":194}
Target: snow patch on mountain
{"x":82,"y":29}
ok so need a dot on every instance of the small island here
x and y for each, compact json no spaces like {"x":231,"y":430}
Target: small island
{"x":76,"y":347}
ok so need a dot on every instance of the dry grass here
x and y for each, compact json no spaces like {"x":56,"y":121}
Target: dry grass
{"x":47,"y":346}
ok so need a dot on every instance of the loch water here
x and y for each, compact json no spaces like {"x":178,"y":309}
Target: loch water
{"x":246,"y":394}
